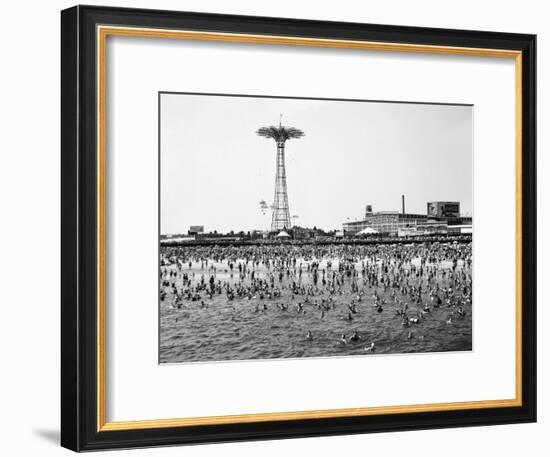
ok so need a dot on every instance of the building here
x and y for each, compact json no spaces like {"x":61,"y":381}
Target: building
{"x":448,"y":212}
{"x":439,"y":216}
{"x":440,"y":210}
{"x":385,"y":222}
{"x":429,"y":227}
{"x":195,"y":230}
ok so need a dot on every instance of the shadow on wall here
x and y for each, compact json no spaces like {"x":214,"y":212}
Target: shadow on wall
{"x":49,"y":435}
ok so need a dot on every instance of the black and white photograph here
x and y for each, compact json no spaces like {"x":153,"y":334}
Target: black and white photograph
{"x":295,"y":227}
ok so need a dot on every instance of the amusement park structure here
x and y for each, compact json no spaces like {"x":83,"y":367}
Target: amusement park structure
{"x":280,"y":219}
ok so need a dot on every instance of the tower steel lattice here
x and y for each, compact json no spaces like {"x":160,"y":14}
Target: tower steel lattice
{"x":280,"y":218}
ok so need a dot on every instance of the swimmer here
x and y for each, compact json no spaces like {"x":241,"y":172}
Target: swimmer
{"x":370,"y":348}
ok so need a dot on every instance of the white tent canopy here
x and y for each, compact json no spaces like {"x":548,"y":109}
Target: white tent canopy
{"x":282,"y":234}
{"x":367,"y":231}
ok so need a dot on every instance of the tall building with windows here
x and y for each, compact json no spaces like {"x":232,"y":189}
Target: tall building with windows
{"x":439,"y":215}
{"x":385,"y":222}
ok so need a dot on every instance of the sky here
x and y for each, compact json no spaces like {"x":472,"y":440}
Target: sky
{"x":215,"y":170}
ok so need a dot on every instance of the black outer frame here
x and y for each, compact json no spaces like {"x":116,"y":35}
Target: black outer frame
{"x":79,"y":235}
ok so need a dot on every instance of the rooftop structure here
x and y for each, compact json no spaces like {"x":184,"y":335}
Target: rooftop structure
{"x":443,"y":209}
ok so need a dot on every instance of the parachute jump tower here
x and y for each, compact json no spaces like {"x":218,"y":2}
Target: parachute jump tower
{"x":280,"y":219}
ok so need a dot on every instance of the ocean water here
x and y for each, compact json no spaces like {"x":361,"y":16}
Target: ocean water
{"x":244,"y":328}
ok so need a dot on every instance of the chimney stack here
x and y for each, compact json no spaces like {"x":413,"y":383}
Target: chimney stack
{"x":403,"y":204}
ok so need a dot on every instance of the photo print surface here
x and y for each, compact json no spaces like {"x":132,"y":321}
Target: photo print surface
{"x":294,"y":227}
